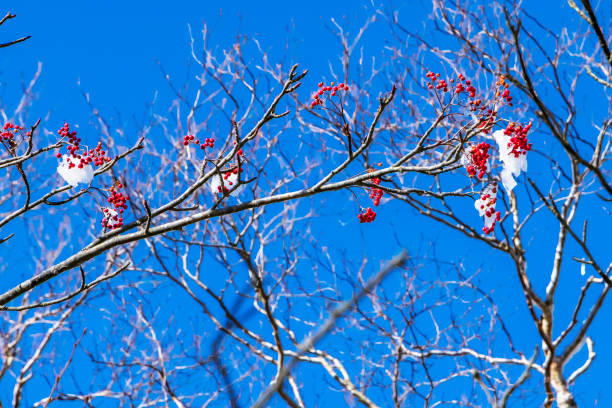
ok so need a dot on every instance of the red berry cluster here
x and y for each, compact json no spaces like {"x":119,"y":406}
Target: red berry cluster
{"x":486,"y":122}
{"x":433,"y":77}
{"x":507,"y":97}
{"x":227,"y":184}
{"x":113,"y":217}
{"x":469,"y":88}
{"x":518,"y":143}
{"x":72,"y":139}
{"x":490,"y":212}
{"x":366,"y":216}
{"x":442,"y":85}
{"x":9,"y":131}
{"x":462,"y":85}
{"x":208,"y":142}
{"x":478,"y":156}
{"x":376,"y":193}
{"x":97,"y":155}
{"x":332,"y":89}
{"x":503,"y":87}
{"x":485,"y":112}
{"x":488,"y":201}
{"x":117,"y":198}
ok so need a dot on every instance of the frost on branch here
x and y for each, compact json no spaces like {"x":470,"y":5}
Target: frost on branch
{"x":111,"y":219}
{"x":229,"y":182}
{"x":486,"y":207}
{"x":75,"y":167}
{"x":513,"y":147}
{"x":74,"y":174}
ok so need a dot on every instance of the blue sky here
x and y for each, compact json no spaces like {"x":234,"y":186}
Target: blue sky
{"x":113,"y":50}
{"x":113,"y":47}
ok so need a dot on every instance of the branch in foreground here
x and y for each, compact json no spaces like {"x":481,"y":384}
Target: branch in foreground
{"x":310,"y":342}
